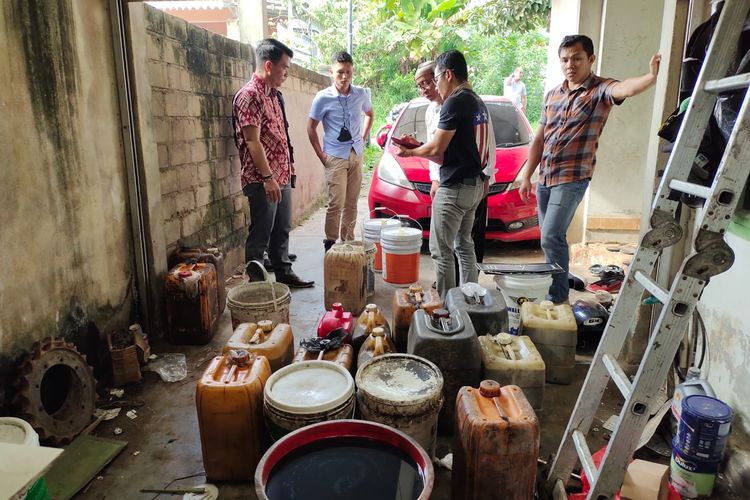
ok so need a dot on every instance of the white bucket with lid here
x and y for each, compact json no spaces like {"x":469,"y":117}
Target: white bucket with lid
{"x":520,"y":288}
{"x":401,"y":247}
{"x":305,"y":393}
{"x":372,"y":231}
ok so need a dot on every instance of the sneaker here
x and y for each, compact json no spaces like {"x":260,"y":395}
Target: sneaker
{"x":293,"y":281}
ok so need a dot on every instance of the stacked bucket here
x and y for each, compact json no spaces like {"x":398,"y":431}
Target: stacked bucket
{"x":698,"y":448}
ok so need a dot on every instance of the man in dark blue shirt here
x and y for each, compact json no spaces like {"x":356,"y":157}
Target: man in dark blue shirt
{"x":463,"y":140}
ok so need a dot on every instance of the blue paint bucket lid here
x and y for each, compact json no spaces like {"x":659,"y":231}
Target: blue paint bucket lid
{"x":706,"y":407}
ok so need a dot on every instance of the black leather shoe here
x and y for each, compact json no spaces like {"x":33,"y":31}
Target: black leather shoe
{"x":293,"y":281}
{"x":267,"y":264}
{"x":327,"y":244}
{"x":292,"y":257}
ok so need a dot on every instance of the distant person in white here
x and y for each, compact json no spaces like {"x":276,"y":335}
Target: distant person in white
{"x":515,"y":89}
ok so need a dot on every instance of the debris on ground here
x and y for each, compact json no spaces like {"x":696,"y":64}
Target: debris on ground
{"x":107,"y":414}
{"x":117,"y":431}
{"x":136,"y":453}
{"x":121,"y":403}
{"x":446,"y":462}
{"x":118,"y":393}
{"x":132,"y":415}
{"x":210,"y":492}
{"x":171,"y":367}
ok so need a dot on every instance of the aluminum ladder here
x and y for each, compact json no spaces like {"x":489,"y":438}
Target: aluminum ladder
{"x":709,"y":256}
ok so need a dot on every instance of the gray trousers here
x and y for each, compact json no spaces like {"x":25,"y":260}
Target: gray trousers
{"x":270,"y":224}
{"x":450,"y":231}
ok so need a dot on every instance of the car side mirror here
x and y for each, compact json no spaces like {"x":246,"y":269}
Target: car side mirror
{"x":382,"y":135}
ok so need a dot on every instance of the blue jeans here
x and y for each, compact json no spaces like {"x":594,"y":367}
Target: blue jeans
{"x":450,"y":231}
{"x":557,"y":205}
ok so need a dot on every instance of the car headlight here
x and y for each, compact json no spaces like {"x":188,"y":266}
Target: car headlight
{"x":519,"y":176}
{"x":391,"y":172}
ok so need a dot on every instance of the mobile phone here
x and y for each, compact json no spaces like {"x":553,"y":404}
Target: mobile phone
{"x":293,"y":181}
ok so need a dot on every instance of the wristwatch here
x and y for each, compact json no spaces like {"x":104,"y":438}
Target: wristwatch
{"x":267,"y":177}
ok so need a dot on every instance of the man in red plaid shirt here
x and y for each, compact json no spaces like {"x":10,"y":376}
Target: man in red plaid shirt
{"x":572,"y":120}
{"x":267,"y":170}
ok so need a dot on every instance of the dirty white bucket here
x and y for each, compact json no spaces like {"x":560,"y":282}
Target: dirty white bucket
{"x":401,"y":254}
{"x":17,"y":431}
{"x":402,"y":391}
{"x":372,"y":230}
{"x":520,"y":288}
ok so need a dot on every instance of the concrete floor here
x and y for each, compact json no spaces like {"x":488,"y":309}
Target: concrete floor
{"x":164,"y":444}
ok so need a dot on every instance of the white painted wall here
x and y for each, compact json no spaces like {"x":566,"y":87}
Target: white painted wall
{"x":724,"y":306}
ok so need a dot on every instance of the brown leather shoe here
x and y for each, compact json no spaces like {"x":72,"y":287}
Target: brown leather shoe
{"x":293,"y":281}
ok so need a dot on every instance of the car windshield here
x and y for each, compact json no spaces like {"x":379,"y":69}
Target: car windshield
{"x":510,"y":130}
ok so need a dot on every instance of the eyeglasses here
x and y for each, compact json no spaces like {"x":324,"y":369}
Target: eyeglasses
{"x":425,"y":84}
{"x":438,"y":76}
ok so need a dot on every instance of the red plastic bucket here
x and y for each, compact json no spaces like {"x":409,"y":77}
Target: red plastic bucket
{"x":326,"y":434}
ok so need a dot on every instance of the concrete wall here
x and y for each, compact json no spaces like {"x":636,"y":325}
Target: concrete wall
{"x":65,"y":227}
{"x":631,"y":33}
{"x":194,"y":75}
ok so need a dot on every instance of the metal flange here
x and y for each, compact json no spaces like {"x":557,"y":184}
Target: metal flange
{"x":56,"y":391}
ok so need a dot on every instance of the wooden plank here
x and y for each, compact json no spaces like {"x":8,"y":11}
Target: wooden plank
{"x":613,"y":223}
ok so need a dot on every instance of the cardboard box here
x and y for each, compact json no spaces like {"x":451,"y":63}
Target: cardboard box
{"x":645,"y":481}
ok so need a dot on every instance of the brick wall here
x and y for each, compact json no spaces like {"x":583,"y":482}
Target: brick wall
{"x":194,"y":75}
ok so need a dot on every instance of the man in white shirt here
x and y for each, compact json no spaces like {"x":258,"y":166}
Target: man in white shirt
{"x":515,"y":89}
{"x":425,"y":81}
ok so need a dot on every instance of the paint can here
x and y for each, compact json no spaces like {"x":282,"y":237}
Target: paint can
{"x":705,"y":423}
{"x":305,"y":393}
{"x":400,"y":247}
{"x":372,"y":230}
{"x":404,"y":392}
{"x":692,"y":477}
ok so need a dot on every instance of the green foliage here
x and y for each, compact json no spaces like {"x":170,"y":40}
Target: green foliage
{"x":391,"y":37}
{"x":371,"y":157}
{"x":494,"y":58}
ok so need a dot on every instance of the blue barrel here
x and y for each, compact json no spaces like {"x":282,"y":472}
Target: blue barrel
{"x":692,"y":477}
{"x":705,"y":423}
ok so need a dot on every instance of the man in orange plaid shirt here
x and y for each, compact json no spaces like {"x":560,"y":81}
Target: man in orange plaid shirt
{"x":573,"y":117}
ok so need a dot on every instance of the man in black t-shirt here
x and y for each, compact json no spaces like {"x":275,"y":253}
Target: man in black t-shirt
{"x":464,"y":143}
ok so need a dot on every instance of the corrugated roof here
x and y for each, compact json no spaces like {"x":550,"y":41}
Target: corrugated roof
{"x":190,"y":4}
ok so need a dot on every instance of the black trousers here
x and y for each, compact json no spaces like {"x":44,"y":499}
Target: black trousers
{"x":269,"y":227}
{"x":478,"y":233}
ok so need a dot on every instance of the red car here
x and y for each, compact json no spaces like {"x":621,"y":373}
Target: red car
{"x":403,"y":184}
